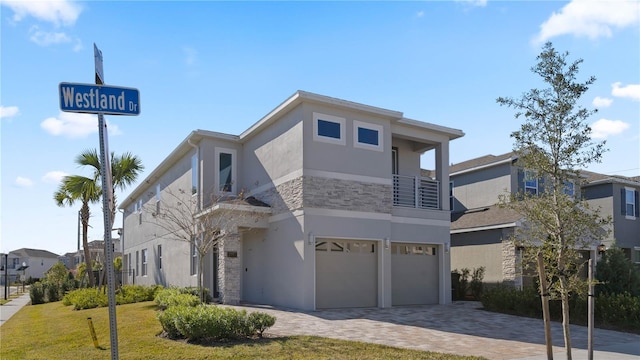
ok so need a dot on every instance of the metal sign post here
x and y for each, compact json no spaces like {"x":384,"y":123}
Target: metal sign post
{"x":107,"y":204}
{"x":99,"y":99}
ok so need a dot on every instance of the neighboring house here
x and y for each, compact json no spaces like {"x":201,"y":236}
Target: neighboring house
{"x":70,"y":260}
{"x":480,"y":229}
{"x":37,"y":262}
{"x":618,"y":197}
{"x":350,"y":222}
{"x":96,"y":249}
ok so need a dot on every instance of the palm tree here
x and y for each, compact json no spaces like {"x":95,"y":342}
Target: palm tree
{"x":124,"y":171}
{"x":79,"y":188}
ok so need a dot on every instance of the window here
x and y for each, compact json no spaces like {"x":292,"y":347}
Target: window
{"x":367,"y":136}
{"x":140,"y":212}
{"x":394,"y":160}
{"x":137,"y":263}
{"x":629,"y":203}
{"x":327,"y":128}
{"x":636,"y":254}
{"x":194,"y":259}
{"x":129,"y":263}
{"x":226,"y":170}
{"x":530,"y":183}
{"x":158,"y":199}
{"x":194,"y":174}
{"x":569,"y":188}
{"x":451,"y":198}
{"x":159,"y":257}
{"x":144,"y":262}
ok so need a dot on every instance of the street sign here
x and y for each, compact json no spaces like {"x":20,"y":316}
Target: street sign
{"x":99,"y":99}
{"x":97,"y":57}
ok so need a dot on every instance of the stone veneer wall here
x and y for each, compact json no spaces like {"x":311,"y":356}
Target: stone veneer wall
{"x":229,"y":270}
{"x":316,"y":192}
{"x":347,"y":195}
{"x":511,"y":263}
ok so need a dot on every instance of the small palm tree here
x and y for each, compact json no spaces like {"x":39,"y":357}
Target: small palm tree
{"x":124,"y":170}
{"x":75,"y":188}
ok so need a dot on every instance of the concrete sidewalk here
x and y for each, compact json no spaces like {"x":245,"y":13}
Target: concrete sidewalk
{"x":9,"y":309}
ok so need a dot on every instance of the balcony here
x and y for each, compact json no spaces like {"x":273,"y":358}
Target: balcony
{"x":416,"y":192}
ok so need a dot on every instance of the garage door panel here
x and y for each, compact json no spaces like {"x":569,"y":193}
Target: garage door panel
{"x":414,"y":274}
{"x":346,"y":276}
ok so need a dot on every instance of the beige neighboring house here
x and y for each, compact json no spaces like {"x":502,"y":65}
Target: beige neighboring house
{"x":347,"y":218}
{"x":96,"y":249}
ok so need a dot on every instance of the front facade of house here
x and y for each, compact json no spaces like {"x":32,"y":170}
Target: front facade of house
{"x":480,"y":229}
{"x":618,"y":197}
{"x":350,"y":222}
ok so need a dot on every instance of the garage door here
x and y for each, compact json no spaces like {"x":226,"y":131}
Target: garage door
{"x":346,"y":273}
{"x":414,"y":274}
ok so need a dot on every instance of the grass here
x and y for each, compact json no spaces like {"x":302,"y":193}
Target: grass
{"x":54,"y":331}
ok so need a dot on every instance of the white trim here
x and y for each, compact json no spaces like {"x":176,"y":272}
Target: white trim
{"x":481,"y":228}
{"x":330,"y":118}
{"x":286,"y":215}
{"x":347,"y":213}
{"x":475,"y":168}
{"x":420,"y":221}
{"x":378,"y":128}
{"x":233,"y":153}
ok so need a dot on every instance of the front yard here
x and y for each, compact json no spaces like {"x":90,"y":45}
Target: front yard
{"x":54,"y":331}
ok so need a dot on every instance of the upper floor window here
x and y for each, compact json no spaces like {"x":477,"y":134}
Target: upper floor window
{"x":328,"y":128}
{"x":451,"y":198}
{"x":158,"y":199}
{"x":144,"y":262}
{"x":569,"y":188}
{"x":630,"y":203}
{"x":530,"y":182}
{"x":159,"y":257}
{"x":367,"y":136}
{"x":194,"y":173}
{"x":226,"y":170}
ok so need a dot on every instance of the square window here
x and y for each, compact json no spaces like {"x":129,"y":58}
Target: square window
{"x":368,"y":136}
{"x":327,"y":128}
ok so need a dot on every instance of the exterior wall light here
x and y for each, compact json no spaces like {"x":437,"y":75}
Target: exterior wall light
{"x":311,"y":239}
{"x":387,"y":243}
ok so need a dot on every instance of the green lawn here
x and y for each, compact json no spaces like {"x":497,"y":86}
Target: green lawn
{"x":54,"y":331}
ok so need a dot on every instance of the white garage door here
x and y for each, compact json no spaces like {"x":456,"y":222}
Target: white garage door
{"x":414,"y":274}
{"x":346,"y":273}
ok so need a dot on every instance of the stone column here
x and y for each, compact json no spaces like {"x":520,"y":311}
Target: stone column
{"x":229,"y":270}
{"x":510,"y":263}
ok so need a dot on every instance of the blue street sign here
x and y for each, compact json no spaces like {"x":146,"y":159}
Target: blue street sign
{"x":95,"y":99}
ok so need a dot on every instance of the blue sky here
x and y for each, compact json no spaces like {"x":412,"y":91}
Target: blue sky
{"x":221,"y":66}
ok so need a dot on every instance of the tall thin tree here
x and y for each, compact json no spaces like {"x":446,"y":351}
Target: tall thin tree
{"x":554,"y":142}
{"x":72,"y":189}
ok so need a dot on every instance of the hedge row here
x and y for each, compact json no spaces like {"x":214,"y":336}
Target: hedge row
{"x":89,"y":298}
{"x":613,"y":311}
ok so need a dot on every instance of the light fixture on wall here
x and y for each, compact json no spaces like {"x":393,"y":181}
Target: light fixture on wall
{"x":386,"y":243}
{"x":602,"y":248}
{"x":447,"y":246}
{"x":311,"y":239}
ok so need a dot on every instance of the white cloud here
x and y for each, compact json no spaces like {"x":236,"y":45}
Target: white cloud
{"x":631,"y":91}
{"x":56,"y":12}
{"x":420,"y":13}
{"x":8,"y":111}
{"x":589,"y":18}
{"x":602,"y":102}
{"x":23,"y":182}
{"x":54,"y":177}
{"x":44,"y":38}
{"x":74,"y":125}
{"x":603,"y":128}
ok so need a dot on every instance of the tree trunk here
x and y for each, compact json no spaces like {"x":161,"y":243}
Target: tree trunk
{"x":565,"y":316}
{"x":201,"y":277}
{"x":84,"y":213}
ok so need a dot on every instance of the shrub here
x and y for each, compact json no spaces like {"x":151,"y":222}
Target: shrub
{"x":617,"y":274}
{"x":476,"y":282}
{"x":205,"y":322}
{"x":85,"y":299}
{"x":260,"y":322}
{"x":36,"y":293}
{"x":176,"y":296}
{"x":128,"y":294}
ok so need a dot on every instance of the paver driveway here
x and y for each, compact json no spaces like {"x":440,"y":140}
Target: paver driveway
{"x":459,"y":328}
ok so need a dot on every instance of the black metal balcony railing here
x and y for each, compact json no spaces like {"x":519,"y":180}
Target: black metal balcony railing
{"x":416,"y":192}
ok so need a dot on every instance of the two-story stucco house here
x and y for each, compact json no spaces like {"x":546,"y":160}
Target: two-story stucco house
{"x":480,"y":230}
{"x":350,"y":221}
{"x":36,"y":263}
